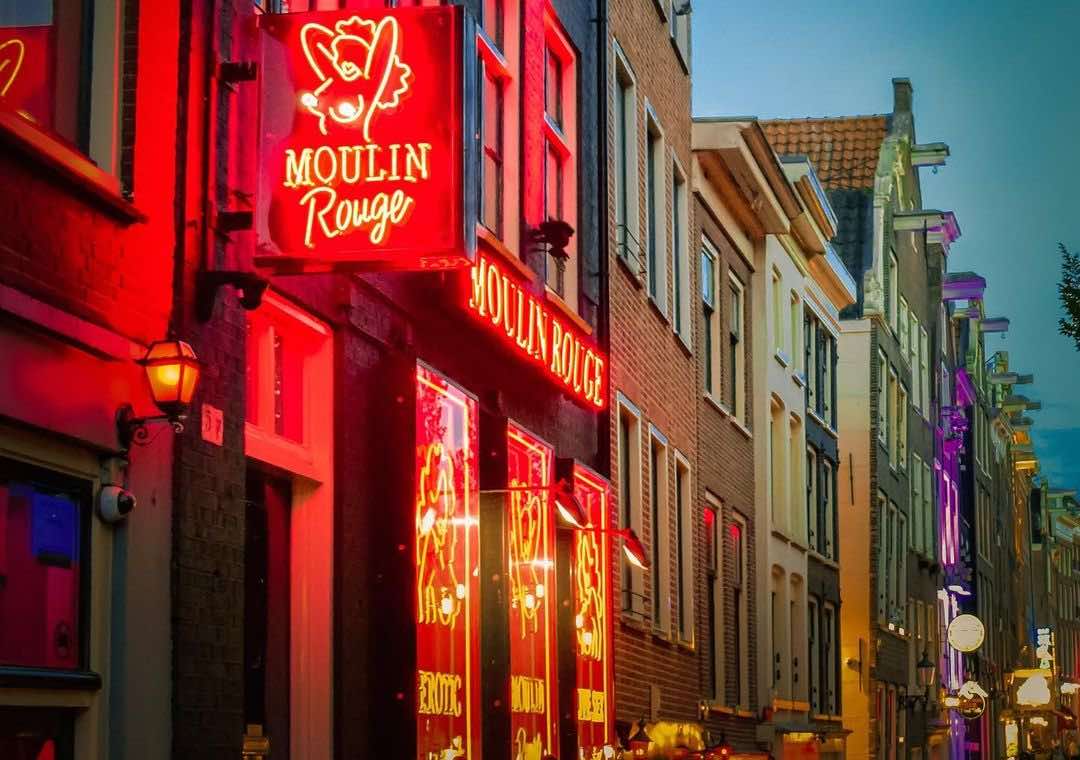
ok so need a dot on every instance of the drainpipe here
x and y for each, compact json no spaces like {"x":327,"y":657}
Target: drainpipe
{"x":603,"y":320}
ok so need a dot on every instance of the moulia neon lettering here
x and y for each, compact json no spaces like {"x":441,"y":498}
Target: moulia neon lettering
{"x":326,"y":169}
{"x":537,"y":332}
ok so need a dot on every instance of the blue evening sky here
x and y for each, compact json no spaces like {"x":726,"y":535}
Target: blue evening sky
{"x":997,"y":80}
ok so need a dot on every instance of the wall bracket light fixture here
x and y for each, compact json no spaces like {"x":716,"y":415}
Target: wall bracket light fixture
{"x":172,"y":372}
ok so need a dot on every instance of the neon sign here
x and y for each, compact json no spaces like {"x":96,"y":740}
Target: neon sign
{"x":447,"y":593}
{"x":591,"y":577}
{"x":531,"y":540}
{"x":363,"y":141}
{"x":532,"y":328}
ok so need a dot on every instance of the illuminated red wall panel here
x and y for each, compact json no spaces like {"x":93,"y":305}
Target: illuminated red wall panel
{"x":363,"y":153}
{"x":531,"y":541}
{"x":591,"y":579}
{"x":447,"y":593}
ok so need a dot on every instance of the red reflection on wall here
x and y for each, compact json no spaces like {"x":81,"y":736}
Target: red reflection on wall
{"x":447,"y":593}
{"x":537,"y":331}
{"x":531,"y":538}
{"x":591,"y":574}
{"x":362,"y":149}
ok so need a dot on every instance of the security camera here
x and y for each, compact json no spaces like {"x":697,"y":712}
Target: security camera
{"x":115,"y":503}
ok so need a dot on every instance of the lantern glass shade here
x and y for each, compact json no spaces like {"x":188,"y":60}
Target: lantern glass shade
{"x":927,"y":670}
{"x":570,"y":508}
{"x":634,"y":550}
{"x":172,"y":370}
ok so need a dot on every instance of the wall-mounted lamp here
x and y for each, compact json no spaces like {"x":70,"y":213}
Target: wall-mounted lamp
{"x":573,"y":514}
{"x":172,"y":371}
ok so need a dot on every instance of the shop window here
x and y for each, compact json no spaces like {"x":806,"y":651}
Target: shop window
{"x":684,"y":549}
{"x":680,"y":258}
{"x":655,"y":210}
{"x":560,"y":153}
{"x":661,"y":532}
{"x":624,"y":117}
{"x":710,"y":318}
{"x":630,"y":509}
{"x":44,"y":534}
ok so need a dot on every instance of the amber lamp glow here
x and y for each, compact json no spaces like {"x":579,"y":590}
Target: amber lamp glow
{"x":172,"y":373}
{"x":638,"y":744}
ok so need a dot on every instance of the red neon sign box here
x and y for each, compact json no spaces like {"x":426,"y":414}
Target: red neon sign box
{"x":364,"y":142}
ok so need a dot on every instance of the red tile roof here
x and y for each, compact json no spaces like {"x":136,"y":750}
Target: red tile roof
{"x":844,"y":150}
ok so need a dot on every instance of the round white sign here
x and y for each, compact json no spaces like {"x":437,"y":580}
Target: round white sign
{"x":966,"y":633}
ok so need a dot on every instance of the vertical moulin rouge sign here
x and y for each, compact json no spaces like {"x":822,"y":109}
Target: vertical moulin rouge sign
{"x":447,"y":571}
{"x":363,"y":141}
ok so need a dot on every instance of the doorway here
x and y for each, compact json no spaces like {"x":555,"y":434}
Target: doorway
{"x":267,"y":617}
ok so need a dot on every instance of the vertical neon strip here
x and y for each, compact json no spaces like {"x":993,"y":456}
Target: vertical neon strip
{"x":531,"y":539}
{"x":447,"y":555}
{"x":591,"y":575}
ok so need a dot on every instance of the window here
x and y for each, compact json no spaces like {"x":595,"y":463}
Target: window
{"x":679,"y":28}
{"x":892,"y":406}
{"x":901,"y":426}
{"x":684,"y":549}
{"x":830,"y":627}
{"x":49,"y":86}
{"x":813,"y":631}
{"x":560,"y":141}
{"x":900,"y":571}
{"x":827,"y":526}
{"x":497,"y":51}
{"x":819,"y":350}
{"x":777,"y":466}
{"x":680,"y":258}
{"x":798,"y":477}
{"x":810,"y":359}
{"x":739,"y":620}
{"x":913,"y":362}
{"x":777,"y":318}
{"x":883,"y":559}
{"x":904,"y":325}
{"x":710,"y":318}
{"x":893,"y":291}
{"x":795,"y":349}
{"x":625,"y":172}
{"x":630,"y":512}
{"x":929,"y":520}
{"x":812,"y":497}
{"x":655,"y":206}
{"x":915,"y":476}
{"x":882,"y":400}
{"x":736,"y":386}
{"x":713,"y":592}
{"x":44,"y":537}
{"x":659,"y":517}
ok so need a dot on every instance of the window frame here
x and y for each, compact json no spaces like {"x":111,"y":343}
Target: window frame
{"x":660,"y":530}
{"x":682,"y":276}
{"x":684,"y":541}
{"x":710,"y":305}
{"x":655,"y":235}
{"x":631,"y":512}
{"x":624,"y":108}
{"x":737,"y":367}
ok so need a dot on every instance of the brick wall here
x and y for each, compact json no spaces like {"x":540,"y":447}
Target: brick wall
{"x":650,"y":366}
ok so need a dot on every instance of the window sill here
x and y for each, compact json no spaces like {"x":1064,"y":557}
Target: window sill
{"x":635,"y":277}
{"x":680,"y":56}
{"x":741,"y":428}
{"x":782,"y":358}
{"x":799,"y":378}
{"x":496,"y":246}
{"x":717,"y":404}
{"x":69,"y":164}
{"x":824,"y":560}
{"x":684,"y":343}
{"x":560,"y":305}
{"x":48,"y":678}
{"x":827,"y":427}
{"x":632,"y":620}
{"x":660,"y":312}
{"x":686,"y":646}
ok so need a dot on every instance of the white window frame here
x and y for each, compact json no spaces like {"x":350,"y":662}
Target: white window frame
{"x":681,"y":275}
{"x":660,"y":531}
{"x":631,"y":515}
{"x":737,"y":373}
{"x":712,"y":377}
{"x":684,"y":537}
{"x":627,"y":238}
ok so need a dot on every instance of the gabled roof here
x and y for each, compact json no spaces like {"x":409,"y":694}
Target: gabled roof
{"x":844,"y":150}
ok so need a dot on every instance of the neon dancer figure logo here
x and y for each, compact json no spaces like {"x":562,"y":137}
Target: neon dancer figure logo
{"x":359,"y":66}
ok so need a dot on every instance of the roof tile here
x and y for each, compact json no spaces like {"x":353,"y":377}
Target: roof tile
{"x":844,"y":150}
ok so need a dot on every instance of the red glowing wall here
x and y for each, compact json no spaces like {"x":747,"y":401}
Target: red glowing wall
{"x":531,"y":541}
{"x":591,"y":578}
{"x":362,"y":155}
{"x":447,"y":594}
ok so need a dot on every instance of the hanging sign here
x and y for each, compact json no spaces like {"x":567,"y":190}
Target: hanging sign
{"x":1044,"y":648}
{"x":363,"y":141}
{"x":447,"y":594}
